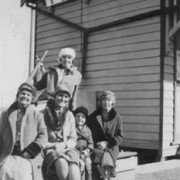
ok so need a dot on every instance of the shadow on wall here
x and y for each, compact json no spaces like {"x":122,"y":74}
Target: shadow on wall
{"x":87,"y":98}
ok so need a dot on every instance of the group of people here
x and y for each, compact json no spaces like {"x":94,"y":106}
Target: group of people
{"x":62,"y":142}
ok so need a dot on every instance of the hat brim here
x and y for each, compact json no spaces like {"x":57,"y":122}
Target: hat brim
{"x":27,"y":89}
{"x":63,"y":92}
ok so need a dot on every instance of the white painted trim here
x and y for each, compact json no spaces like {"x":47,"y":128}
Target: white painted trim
{"x":32,"y":41}
{"x":53,"y":2}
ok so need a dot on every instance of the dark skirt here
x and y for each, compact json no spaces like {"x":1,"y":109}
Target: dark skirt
{"x":97,"y":154}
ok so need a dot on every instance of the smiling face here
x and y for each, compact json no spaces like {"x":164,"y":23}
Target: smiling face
{"x":61,"y":100}
{"x":80,"y":119}
{"x":24,"y":98}
{"x":67,"y":61}
{"x":107,"y":104}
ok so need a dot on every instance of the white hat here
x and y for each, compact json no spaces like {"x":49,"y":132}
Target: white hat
{"x":67,"y":51}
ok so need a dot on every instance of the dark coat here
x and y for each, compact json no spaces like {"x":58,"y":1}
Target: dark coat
{"x":113,"y":134}
{"x":33,"y":135}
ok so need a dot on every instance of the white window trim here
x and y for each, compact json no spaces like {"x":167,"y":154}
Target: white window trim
{"x":53,"y":2}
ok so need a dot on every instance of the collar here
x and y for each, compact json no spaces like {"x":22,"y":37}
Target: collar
{"x":112,"y":113}
{"x":67,"y":71}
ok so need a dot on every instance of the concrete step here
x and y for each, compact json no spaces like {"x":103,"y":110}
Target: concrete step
{"x":166,"y":170}
{"x":126,"y":165}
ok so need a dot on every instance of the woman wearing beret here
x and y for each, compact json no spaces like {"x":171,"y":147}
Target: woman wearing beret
{"x":65,"y":72}
{"x":84,"y":141}
{"x":61,"y":157}
{"x":23,"y":134}
{"x":106,"y":126}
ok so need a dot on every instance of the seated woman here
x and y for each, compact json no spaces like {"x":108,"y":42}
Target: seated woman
{"x":61,"y":157}
{"x":23,"y":134}
{"x":106,"y":126}
{"x":84,"y":141}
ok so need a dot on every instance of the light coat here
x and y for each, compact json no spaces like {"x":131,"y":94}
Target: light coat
{"x":67,"y":135}
{"x":84,"y":140}
{"x":69,"y":129}
{"x":33,"y":129}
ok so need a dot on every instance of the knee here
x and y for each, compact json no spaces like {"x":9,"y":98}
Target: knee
{"x":61,"y":163}
{"x":6,"y":167}
{"x":74,"y":167}
{"x":74,"y":171}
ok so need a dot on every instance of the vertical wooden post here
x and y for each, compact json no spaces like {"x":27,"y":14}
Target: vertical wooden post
{"x":162,"y":54}
{"x":84,"y":51}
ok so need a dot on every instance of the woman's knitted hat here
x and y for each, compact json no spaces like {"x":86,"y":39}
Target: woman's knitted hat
{"x":67,"y":51}
{"x":83,"y":110}
{"x":27,"y":87}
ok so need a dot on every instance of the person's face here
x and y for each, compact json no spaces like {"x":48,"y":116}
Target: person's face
{"x":67,"y":61}
{"x":107,"y":104}
{"x":80,"y":119}
{"x":24,"y":98}
{"x":61,"y":100}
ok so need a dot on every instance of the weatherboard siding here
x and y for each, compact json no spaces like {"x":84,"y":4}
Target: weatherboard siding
{"x":124,"y":59}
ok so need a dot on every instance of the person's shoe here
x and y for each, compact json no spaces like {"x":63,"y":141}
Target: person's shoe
{"x":113,"y":173}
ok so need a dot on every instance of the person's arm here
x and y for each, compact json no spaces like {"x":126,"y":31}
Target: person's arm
{"x":90,"y":141}
{"x":42,"y":83}
{"x":118,"y":136}
{"x":41,"y":139}
{"x":90,"y":144}
{"x":72,"y":139}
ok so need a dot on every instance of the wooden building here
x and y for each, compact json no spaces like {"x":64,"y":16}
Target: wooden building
{"x":124,"y":46}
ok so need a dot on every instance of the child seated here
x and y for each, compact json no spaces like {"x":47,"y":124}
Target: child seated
{"x":84,"y":140}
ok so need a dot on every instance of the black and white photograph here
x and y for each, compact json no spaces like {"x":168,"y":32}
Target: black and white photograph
{"x":90,"y":90}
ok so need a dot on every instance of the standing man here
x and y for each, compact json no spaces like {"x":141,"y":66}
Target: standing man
{"x":23,"y":134}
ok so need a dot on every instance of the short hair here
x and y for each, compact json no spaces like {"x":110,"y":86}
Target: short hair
{"x":108,"y":94}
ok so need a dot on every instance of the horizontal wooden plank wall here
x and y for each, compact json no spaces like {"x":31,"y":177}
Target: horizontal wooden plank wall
{"x":124,"y":59}
{"x":53,"y":35}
